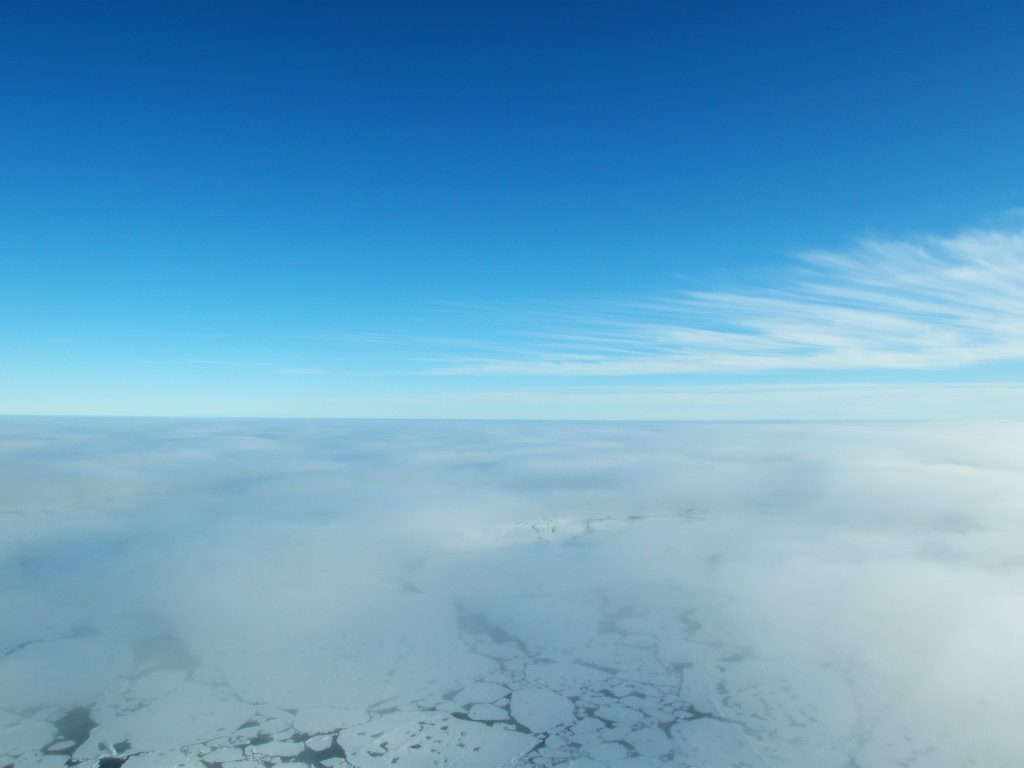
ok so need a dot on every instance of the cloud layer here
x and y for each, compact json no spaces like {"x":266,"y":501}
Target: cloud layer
{"x":826,"y":594}
{"x":926,"y":303}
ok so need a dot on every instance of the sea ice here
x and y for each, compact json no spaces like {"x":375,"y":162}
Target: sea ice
{"x":311,"y":720}
{"x":540,"y":710}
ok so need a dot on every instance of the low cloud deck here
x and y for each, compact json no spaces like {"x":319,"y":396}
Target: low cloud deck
{"x":240,"y":595}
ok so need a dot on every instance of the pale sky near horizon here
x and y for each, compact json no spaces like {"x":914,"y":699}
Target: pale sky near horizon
{"x":513,"y":210}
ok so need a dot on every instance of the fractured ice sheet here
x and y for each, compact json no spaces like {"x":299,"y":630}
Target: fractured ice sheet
{"x":244,"y":594}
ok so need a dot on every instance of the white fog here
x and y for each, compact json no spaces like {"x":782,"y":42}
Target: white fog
{"x":328,"y":593}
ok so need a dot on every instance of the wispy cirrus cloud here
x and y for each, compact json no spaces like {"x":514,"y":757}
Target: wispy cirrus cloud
{"x":303,"y":372}
{"x":925,"y":303}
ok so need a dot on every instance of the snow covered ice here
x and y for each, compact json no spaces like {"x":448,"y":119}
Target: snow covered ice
{"x":254,"y":593}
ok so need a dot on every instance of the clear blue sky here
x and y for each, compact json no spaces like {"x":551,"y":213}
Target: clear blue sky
{"x":511,"y":210}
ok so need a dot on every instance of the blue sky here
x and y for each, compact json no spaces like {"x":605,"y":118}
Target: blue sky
{"x":533,"y":210}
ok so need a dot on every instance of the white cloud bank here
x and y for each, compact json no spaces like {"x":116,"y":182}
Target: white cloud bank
{"x":648,"y":594}
{"x":926,"y":303}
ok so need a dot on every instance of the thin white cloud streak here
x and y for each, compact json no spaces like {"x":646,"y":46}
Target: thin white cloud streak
{"x":885,"y":304}
{"x":303,"y":372}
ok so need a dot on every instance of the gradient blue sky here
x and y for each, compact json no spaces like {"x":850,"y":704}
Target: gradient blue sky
{"x":607,"y":210}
